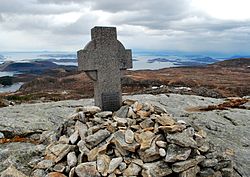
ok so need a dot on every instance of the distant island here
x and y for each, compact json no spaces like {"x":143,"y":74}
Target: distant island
{"x":195,"y":61}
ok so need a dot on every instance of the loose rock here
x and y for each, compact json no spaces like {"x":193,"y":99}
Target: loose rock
{"x":129,"y":136}
{"x":103,"y":162}
{"x":71,"y":159}
{"x":45,"y":164}
{"x":96,"y":138}
{"x":11,"y":171}
{"x":132,"y":170}
{"x":177,"y":153}
{"x":87,"y":169}
{"x":114,"y":163}
{"x":184,"y":139}
{"x":91,"y":109}
{"x":158,"y":169}
{"x":150,"y":143}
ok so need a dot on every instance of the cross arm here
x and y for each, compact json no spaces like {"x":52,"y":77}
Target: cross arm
{"x":126,"y":60}
{"x":85,"y":61}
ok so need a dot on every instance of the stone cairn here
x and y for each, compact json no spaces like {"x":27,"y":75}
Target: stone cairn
{"x":138,"y":140}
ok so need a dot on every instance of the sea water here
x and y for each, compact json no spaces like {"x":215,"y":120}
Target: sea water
{"x":141,"y":60}
{"x":11,"y":88}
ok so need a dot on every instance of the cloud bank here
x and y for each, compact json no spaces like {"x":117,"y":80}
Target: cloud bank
{"x":150,"y":25}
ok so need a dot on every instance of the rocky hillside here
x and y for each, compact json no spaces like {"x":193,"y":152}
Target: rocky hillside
{"x":239,"y":62}
{"x":24,"y":127}
{"x":223,"y":79}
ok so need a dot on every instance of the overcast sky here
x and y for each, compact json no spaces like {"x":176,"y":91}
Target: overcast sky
{"x":174,"y":25}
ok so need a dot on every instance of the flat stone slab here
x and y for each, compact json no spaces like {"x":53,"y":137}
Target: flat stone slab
{"x":31,"y":118}
{"x":228,"y":128}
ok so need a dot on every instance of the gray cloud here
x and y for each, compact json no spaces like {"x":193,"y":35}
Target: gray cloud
{"x":158,"y":6}
{"x":81,"y":27}
{"x":1,"y":18}
{"x":158,"y":24}
{"x":32,"y":7}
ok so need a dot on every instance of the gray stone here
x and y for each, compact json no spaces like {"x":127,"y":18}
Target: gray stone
{"x":60,"y":167}
{"x":204,"y":148}
{"x":78,"y":116}
{"x":93,"y":129}
{"x":26,"y":119}
{"x":147,"y":123}
{"x":103,"y":164}
{"x":122,"y":112}
{"x":91,"y":109}
{"x":158,"y":169}
{"x":136,"y":106}
{"x":191,"y":172}
{"x":184,"y":165}
{"x":38,"y":173}
{"x":72,"y":172}
{"x":20,"y":154}
{"x":227,"y":172}
{"x":82,"y":129}
{"x":131,"y":113}
{"x":93,"y":153}
{"x":121,"y":145}
{"x":138,"y":162}
{"x":177,"y":153}
{"x":219,"y":174}
{"x":112,"y":175}
{"x":96,"y":138}
{"x":162,"y":152}
{"x":120,"y":121}
{"x":71,"y":159}
{"x":87,"y":169}
{"x":145,"y":139}
{"x":159,"y":109}
{"x":82,"y":147}
{"x":143,"y":114}
{"x":207,"y":172}
{"x":161,"y":144}
{"x":212,"y":155}
{"x":172,"y":128}
{"x":114,"y":163}
{"x":55,"y":174}
{"x":63,"y":139}
{"x":104,"y":114}
{"x":129,"y":136}
{"x":150,"y":154}
{"x":56,"y":152}
{"x":103,"y":58}
{"x":67,"y":169}
{"x":122,"y":166}
{"x":1,"y":135}
{"x":184,"y":139}
{"x":11,"y":171}
{"x":165,"y":119}
{"x":209,"y":163}
{"x":74,"y":137}
{"x":223,"y":164}
{"x":132,"y":170}
{"x":81,"y":158}
{"x":44,"y":164}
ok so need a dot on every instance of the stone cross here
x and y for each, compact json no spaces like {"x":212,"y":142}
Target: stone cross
{"x":103,"y":60}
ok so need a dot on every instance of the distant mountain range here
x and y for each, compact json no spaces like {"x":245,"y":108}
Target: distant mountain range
{"x":59,"y":55}
{"x":185,"y":62}
{"x":31,"y":67}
